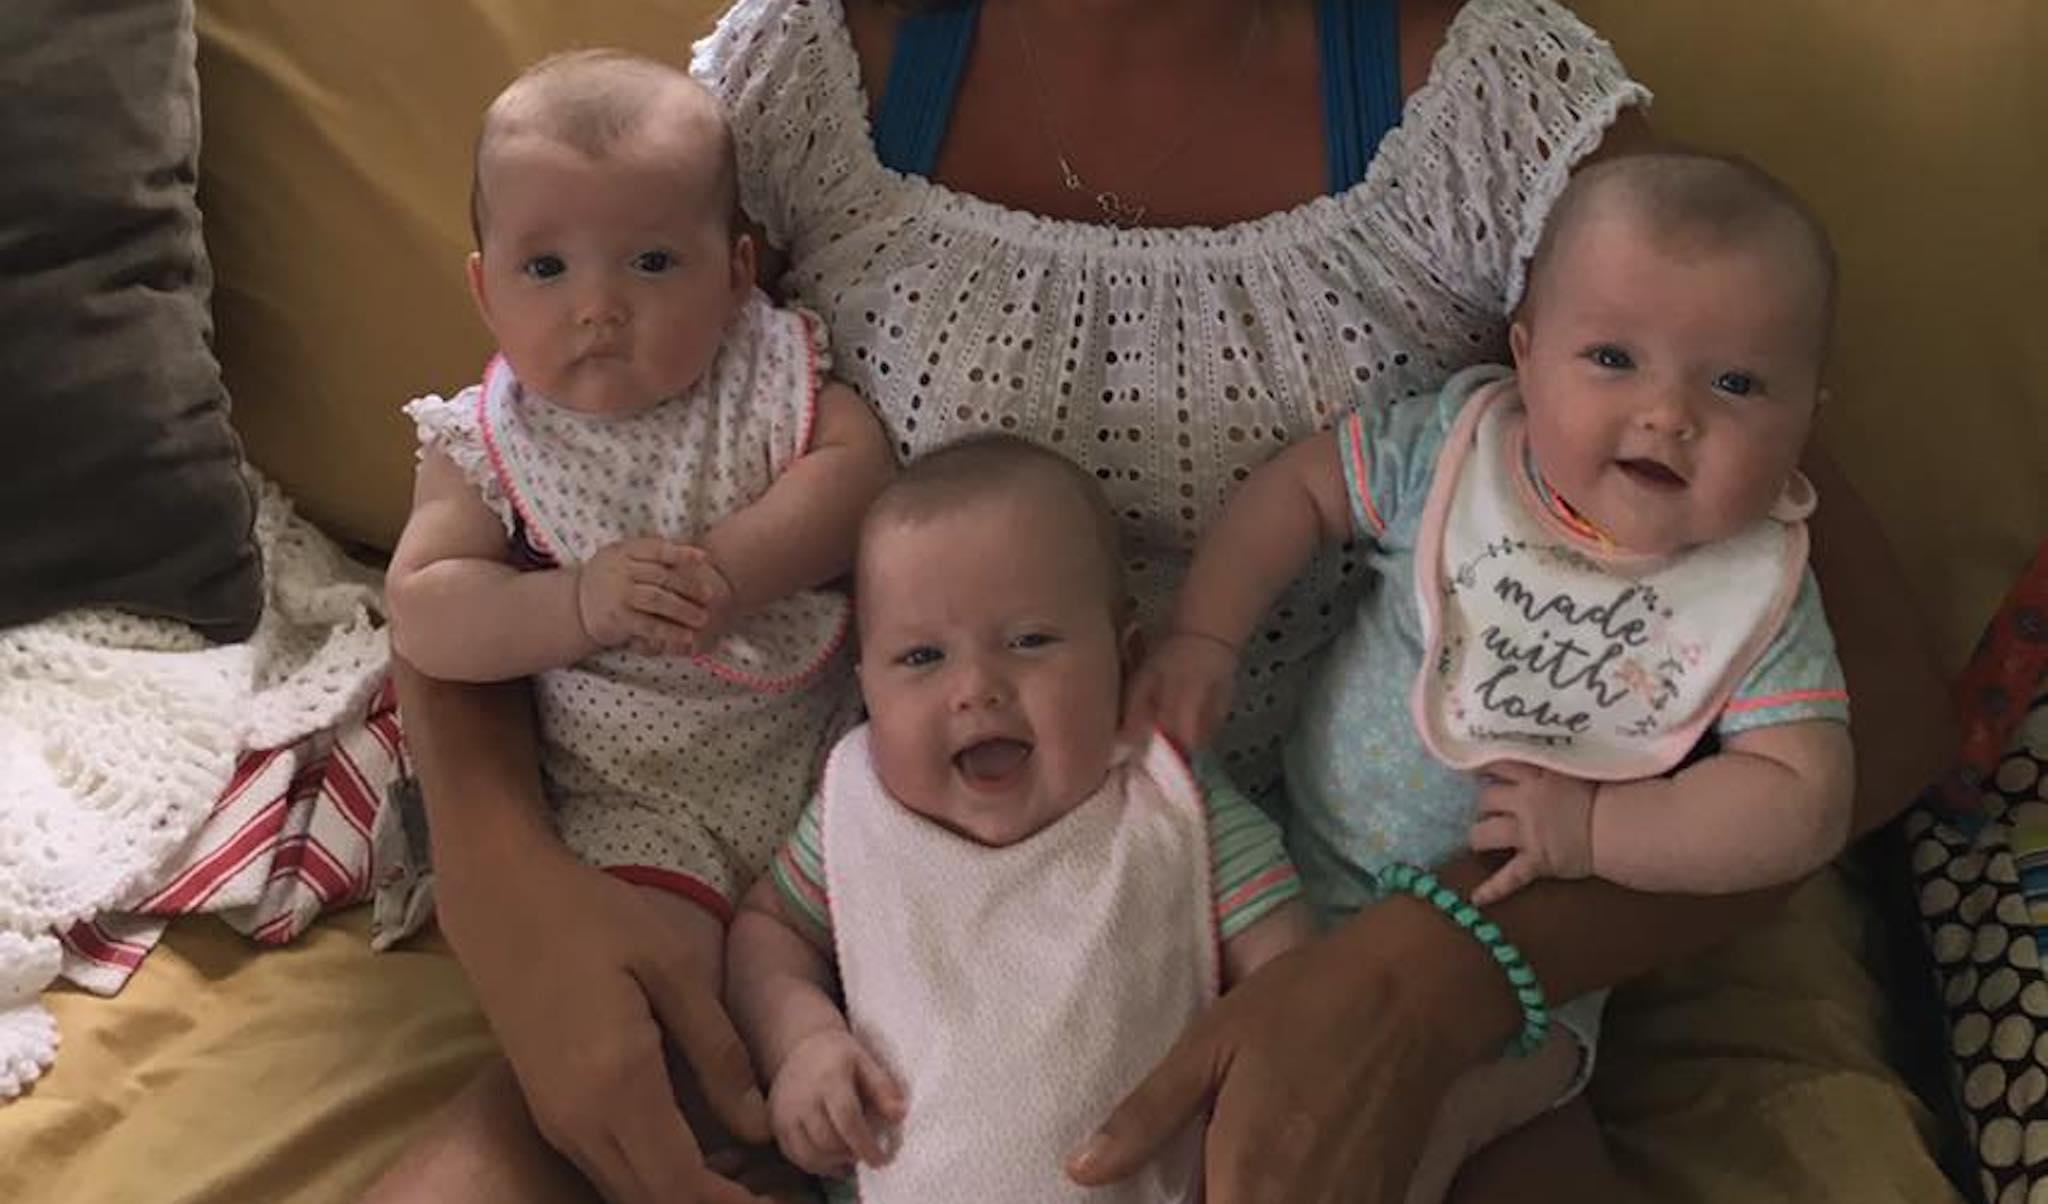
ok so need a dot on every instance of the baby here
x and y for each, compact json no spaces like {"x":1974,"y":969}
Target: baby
{"x":639,"y":503}
{"x":1022,"y":913}
{"x":1582,"y":570}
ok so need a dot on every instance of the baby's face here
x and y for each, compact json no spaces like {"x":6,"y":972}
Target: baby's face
{"x":992,"y":665}
{"x":1669,"y":394}
{"x":607,"y":282}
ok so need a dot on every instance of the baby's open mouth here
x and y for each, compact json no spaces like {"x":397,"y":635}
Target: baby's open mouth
{"x":1652,"y":473}
{"x":992,"y":763}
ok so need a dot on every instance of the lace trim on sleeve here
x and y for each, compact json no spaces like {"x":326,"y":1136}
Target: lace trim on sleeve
{"x":448,"y":425}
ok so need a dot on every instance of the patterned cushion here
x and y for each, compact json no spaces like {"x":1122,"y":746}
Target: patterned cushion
{"x":1971,"y":874}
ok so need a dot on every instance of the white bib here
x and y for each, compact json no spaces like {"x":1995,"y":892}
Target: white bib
{"x":1540,"y":648}
{"x":1018,"y":993}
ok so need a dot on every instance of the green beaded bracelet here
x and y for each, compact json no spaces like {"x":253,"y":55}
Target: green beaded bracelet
{"x":1413,"y":880}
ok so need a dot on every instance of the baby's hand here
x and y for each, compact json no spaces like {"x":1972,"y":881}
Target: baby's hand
{"x":819,"y":1104}
{"x":1545,"y":819}
{"x":1183,"y":688}
{"x":697,"y":577}
{"x":648,"y":591}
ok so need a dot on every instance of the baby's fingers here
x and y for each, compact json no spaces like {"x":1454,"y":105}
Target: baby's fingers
{"x":850,"y":1124}
{"x":1497,"y":832}
{"x":666,"y":604}
{"x":815,"y":1147}
{"x":1519,"y":872}
{"x":659,"y":637}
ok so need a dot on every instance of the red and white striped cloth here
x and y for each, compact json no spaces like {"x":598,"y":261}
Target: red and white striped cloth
{"x":291,"y":836}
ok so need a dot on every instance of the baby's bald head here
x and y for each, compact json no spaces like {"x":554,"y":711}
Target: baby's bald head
{"x":595,"y":101}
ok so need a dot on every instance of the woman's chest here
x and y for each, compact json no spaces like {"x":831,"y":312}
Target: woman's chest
{"x":1168,"y":373}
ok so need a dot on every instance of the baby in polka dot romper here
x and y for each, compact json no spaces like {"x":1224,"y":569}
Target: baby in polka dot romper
{"x":639,"y":505}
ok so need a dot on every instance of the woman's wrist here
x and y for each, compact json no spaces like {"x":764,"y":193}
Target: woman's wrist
{"x":1442,"y":984}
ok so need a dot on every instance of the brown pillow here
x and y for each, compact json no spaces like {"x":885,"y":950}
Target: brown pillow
{"x":338,"y":141}
{"x":119,"y":476}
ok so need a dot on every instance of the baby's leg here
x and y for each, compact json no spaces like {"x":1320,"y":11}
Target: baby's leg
{"x":484,"y":1147}
{"x":1488,"y":1102}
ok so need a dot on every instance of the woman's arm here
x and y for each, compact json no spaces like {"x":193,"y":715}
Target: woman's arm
{"x":554,"y":946}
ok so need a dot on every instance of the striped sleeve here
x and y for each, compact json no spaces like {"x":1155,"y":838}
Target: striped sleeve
{"x":799,"y":873}
{"x":1389,"y":451}
{"x":1797,"y":678}
{"x":1250,"y":874}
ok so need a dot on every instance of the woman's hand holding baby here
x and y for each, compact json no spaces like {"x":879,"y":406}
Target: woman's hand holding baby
{"x":659,"y":595}
{"x":1183,"y":689}
{"x":1542,"y":818}
{"x":822,"y":1100}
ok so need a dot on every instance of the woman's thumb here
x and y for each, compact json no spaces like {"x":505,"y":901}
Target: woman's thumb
{"x":1171,"y":1096}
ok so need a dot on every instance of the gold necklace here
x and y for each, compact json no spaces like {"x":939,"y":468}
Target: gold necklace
{"x":1116,"y":209}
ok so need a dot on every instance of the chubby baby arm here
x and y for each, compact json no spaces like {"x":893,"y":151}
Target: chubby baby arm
{"x":825,"y":1090}
{"x":1772,"y":807}
{"x":461,"y":612}
{"x":1270,"y":530}
{"x":801,"y":533}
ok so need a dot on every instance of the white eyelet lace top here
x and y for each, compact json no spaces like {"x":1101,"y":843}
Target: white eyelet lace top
{"x":1170,"y":362}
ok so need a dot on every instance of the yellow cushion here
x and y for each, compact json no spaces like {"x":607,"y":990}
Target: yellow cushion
{"x":1918,"y":132}
{"x":335,"y":184}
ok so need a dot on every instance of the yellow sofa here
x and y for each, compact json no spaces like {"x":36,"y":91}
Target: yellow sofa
{"x":334,"y":180}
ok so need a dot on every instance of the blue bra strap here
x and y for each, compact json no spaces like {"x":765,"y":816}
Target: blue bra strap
{"x":1361,"y":83}
{"x":917,"y":102}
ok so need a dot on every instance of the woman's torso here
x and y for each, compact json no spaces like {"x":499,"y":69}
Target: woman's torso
{"x":1169,"y":362}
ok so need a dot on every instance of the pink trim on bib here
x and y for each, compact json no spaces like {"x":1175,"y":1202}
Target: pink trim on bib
{"x":539,"y":538}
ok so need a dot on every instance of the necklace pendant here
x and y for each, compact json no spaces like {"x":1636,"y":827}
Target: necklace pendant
{"x":1070,"y":177}
{"x":1119,"y":211}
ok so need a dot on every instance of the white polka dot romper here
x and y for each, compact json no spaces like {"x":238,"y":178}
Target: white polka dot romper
{"x":678,"y":772}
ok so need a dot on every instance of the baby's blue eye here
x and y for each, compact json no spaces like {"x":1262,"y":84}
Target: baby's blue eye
{"x":653,"y":263}
{"x":1033,"y":639}
{"x":1610,"y":357}
{"x":922,"y":657}
{"x":544,"y":267}
{"x":1738,"y":384}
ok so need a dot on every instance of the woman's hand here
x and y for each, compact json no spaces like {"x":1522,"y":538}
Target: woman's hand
{"x":1324,"y":1070}
{"x":580,"y":975}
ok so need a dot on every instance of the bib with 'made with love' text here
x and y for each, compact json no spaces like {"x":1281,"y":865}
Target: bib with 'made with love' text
{"x":1542,"y":646}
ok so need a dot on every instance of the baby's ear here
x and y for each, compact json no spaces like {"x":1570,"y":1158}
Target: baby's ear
{"x":743,"y":265}
{"x":1518,"y":341}
{"x":474,"y":270}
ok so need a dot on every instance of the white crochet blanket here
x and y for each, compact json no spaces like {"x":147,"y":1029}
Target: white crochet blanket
{"x":117,"y":734}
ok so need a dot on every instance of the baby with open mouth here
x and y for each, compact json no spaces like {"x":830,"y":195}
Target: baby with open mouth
{"x":1022,"y":911}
